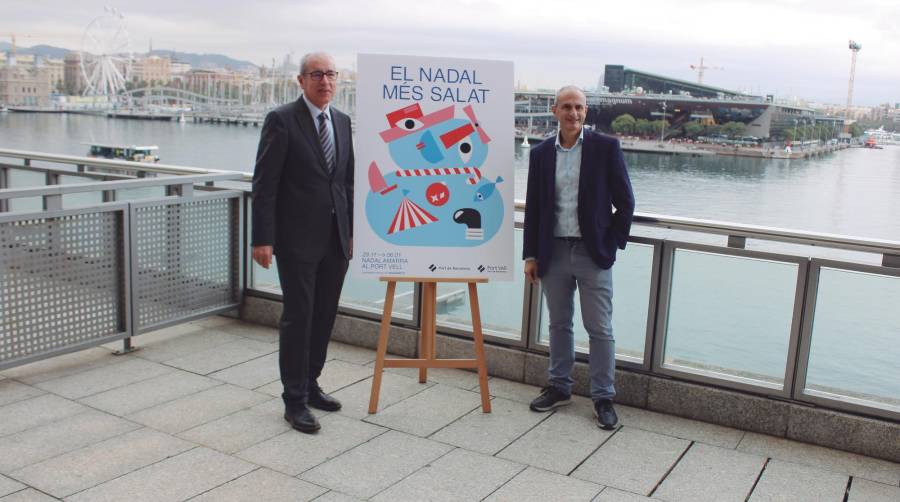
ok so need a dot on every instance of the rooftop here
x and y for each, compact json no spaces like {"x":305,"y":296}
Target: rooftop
{"x":195,"y":414}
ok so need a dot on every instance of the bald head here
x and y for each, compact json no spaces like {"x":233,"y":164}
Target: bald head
{"x":570,"y":109}
{"x":569,"y":89}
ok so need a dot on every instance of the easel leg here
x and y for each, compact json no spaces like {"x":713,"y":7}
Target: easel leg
{"x":426,"y":349}
{"x":479,"y":348}
{"x":382,"y":345}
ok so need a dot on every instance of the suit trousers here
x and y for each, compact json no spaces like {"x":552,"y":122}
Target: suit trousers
{"x":311,"y":289}
{"x":571,"y":267}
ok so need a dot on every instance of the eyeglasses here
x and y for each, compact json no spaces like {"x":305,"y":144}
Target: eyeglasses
{"x":317,"y":75}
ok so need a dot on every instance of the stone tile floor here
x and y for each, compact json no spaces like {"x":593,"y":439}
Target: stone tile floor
{"x":195,"y":415}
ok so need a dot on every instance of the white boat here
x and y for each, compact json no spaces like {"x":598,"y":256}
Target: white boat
{"x":133,"y":153}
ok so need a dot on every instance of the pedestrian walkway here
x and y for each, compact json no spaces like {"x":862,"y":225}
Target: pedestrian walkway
{"x":195,"y":414}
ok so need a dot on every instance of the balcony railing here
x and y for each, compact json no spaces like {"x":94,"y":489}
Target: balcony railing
{"x":799,"y":316}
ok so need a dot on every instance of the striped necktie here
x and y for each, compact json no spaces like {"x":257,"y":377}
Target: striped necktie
{"x":325,"y":139}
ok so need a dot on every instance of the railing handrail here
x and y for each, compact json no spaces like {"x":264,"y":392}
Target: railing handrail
{"x":97,"y":186}
{"x":116,"y":164}
{"x":834,"y":241}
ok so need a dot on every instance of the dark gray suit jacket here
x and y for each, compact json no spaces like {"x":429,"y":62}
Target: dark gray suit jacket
{"x":294,"y":193}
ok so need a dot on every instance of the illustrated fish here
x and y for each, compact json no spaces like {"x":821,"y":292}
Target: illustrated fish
{"x":485,"y":191}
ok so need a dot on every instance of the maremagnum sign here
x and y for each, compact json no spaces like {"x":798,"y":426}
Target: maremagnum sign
{"x":434,"y":173}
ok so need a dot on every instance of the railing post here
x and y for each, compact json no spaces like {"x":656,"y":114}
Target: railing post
{"x":890,"y":260}
{"x":4,"y":183}
{"x":183,"y":190}
{"x":737,"y":241}
{"x":52,"y":202}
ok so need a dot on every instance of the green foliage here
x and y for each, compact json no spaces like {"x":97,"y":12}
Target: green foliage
{"x":734,"y":129}
{"x":693,"y":129}
{"x":623,"y":124}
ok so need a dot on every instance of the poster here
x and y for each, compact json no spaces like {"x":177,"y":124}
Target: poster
{"x":434,"y":180}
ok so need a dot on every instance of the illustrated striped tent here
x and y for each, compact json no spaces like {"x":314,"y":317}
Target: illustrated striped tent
{"x":409,"y":215}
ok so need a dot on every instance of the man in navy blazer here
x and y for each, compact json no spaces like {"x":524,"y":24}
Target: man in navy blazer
{"x":303,"y":213}
{"x":579,"y":208}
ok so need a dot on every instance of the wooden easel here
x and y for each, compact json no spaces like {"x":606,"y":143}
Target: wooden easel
{"x":427,"y":345}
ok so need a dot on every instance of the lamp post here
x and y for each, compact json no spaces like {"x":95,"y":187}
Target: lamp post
{"x":662,"y":133}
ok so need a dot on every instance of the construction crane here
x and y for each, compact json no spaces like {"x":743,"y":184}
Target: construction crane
{"x":701,"y":68}
{"x":854,"y":47}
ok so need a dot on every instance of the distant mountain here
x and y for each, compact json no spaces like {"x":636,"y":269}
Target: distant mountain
{"x":201,"y":61}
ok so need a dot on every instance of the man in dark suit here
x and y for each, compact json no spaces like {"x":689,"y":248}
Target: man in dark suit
{"x":575,"y":180}
{"x":303,"y":213}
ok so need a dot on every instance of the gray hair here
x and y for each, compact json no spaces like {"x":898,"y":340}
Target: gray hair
{"x":306,"y":57}
{"x":567,"y":88}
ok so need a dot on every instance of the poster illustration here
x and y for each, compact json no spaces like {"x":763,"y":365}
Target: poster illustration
{"x":434,"y":168}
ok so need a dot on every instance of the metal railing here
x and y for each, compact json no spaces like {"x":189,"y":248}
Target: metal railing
{"x":752,"y":308}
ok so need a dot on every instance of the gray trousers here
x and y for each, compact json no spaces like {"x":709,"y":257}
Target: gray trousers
{"x":571,"y":267}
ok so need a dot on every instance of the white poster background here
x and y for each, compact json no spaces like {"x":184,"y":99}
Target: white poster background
{"x":432,"y":205}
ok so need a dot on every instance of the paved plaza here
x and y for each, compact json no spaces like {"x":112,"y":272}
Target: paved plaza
{"x":195,"y":415}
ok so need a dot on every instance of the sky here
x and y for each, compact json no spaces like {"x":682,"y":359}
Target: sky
{"x":789,"y":48}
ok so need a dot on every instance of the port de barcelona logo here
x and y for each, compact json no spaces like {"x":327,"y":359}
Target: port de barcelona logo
{"x":434,"y":167}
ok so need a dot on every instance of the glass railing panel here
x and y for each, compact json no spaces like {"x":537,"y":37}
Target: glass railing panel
{"x":20,"y":178}
{"x":632,"y":280}
{"x":855,"y":342}
{"x":730,"y":316}
{"x":500,"y":303}
{"x":81,"y":198}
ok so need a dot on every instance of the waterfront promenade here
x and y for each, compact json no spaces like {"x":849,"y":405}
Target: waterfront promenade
{"x":194,"y":414}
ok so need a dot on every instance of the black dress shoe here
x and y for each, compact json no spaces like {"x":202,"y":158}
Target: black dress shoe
{"x":322,"y":401}
{"x":302,"y":419}
{"x":606,"y":415}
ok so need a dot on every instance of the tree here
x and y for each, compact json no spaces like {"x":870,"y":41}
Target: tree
{"x":623,"y":124}
{"x":656,"y":127}
{"x":693,"y":129}
{"x":734,"y":129}
{"x":856,"y":130}
{"x":643,"y":127}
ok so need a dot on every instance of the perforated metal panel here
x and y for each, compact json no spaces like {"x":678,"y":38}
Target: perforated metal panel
{"x":62,"y":282}
{"x":185,"y":258}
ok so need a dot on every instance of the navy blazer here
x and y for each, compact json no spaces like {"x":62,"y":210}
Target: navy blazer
{"x":295,"y":194}
{"x":603,"y":184}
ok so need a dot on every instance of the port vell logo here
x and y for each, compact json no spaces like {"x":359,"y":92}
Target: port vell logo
{"x":493,"y":269}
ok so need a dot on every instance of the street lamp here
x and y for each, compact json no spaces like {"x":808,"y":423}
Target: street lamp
{"x":662,"y":133}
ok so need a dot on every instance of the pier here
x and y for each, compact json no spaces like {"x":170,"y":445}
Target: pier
{"x":189,"y":406}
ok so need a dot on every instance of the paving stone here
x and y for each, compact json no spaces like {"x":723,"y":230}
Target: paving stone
{"x":670,"y":425}
{"x":48,"y":440}
{"x":334,"y":496}
{"x":538,"y":485}
{"x":293,"y":452}
{"x":490,"y":432}
{"x":33,"y":412}
{"x":632,"y":460}
{"x":863,"y":490}
{"x":866,"y":436}
{"x":557,"y":444}
{"x":614,"y":495}
{"x":252,"y":374}
{"x":8,"y":486}
{"x":174,"y":479}
{"x":241,"y":430}
{"x":147,"y":393}
{"x":371,"y":467}
{"x":263,"y":485}
{"x":223,"y":356}
{"x":394,"y":388}
{"x":514,"y":391}
{"x":338,"y":374}
{"x":459,"y":475}
{"x":253,"y":331}
{"x":711,"y":473}
{"x":798,"y":483}
{"x":100,"y":462}
{"x":129,"y":370}
{"x":196,"y":409}
{"x":174,"y":347}
{"x":856,"y":465}
{"x":428,"y":411}
{"x":461,"y":379}
{"x":59,"y":366}
{"x":350,"y":353}
{"x":12,"y":391}
{"x":28,"y":495}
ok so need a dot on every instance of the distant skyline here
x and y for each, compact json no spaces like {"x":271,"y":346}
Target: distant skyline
{"x":790,"y":48}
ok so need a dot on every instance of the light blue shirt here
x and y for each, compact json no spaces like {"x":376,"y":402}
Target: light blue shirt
{"x":568,"y":170}
{"x":314,"y":111}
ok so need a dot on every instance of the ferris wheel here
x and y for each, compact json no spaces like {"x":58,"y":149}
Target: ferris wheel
{"x":105,"y":54}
